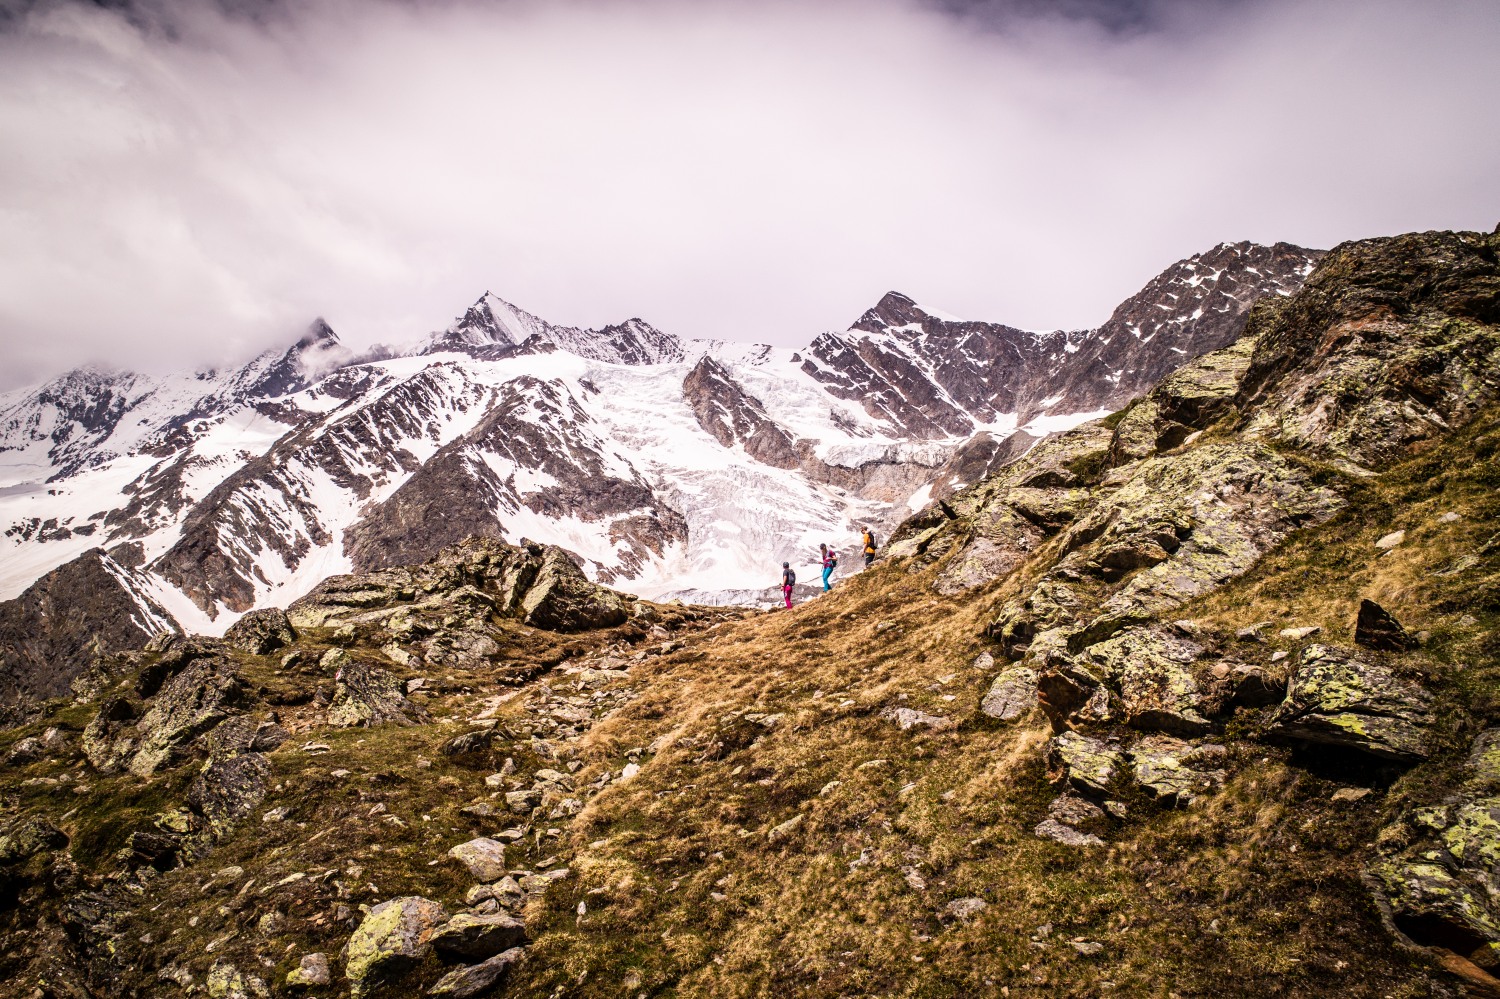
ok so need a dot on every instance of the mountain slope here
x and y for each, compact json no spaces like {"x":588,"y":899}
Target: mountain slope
{"x":1157,"y":744}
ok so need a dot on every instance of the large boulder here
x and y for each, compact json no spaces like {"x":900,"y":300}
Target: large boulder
{"x":1439,"y":881}
{"x":1152,"y":670}
{"x":365,"y":695}
{"x":393,"y":937}
{"x":561,"y":598}
{"x":1175,"y":771}
{"x":229,"y":790}
{"x":1345,"y":698}
{"x":480,"y":936}
{"x":483,"y":857}
{"x":477,"y":979}
{"x":261,"y":632}
{"x":187,"y":706}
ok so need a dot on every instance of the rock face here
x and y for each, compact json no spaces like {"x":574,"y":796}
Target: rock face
{"x":52,"y":632}
{"x":393,"y":937}
{"x":1342,"y":698}
{"x":539,"y":427}
{"x":261,"y":632}
{"x":733,"y":417}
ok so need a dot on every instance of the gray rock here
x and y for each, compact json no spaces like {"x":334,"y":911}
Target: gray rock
{"x":480,"y":936}
{"x":909,"y":718}
{"x":1087,"y":764}
{"x":479,"y":978}
{"x":965,"y":910}
{"x":187,"y":706}
{"x":261,"y":632}
{"x":1066,"y":835}
{"x":312,"y":970}
{"x":27,"y":750}
{"x":229,"y":790}
{"x":1297,"y":634}
{"x":1073,"y":810}
{"x":1174,"y":770}
{"x":393,"y":937}
{"x":1011,"y":695}
{"x":1340,"y":697}
{"x":365,"y":695}
{"x":484,"y":858}
{"x":1152,"y":669}
{"x":29,"y":838}
{"x":1391,"y":540}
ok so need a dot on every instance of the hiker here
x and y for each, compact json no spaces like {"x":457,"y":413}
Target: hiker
{"x":869,"y":540}
{"x":788,"y":580}
{"x":830,"y":563}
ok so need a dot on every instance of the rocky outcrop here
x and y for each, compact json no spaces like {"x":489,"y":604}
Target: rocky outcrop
{"x":1436,"y":883}
{"x":364,"y":695}
{"x":1377,"y":629}
{"x":541,"y":587}
{"x":228,"y":791}
{"x":1349,"y":700}
{"x":1391,"y":342}
{"x":53,"y":631}
{"x":261,"y":632}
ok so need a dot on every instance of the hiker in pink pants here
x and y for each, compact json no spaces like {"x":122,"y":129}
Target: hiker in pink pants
{"x":788,"y":580}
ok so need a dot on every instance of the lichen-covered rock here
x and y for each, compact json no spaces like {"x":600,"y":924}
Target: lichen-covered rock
{"x":229,"y":790}
{"x":261,"y":632}
{"x":188,"y":705}
{"x":477,"y":979}
{"x":365,"y":695}
{"x":483,"y":857}
{"x":1151,"y":668}
{"x":465,"y":584}
{"x":29,"y":838}
{"x":1087,"y":764}
{"x":225,"y":981}
{"x":243,"y":734}
{"x":1340,"y":697}
{"x":310,"y":972}
{"x":393,"y":937}
{"x":1177,"y":771}
{"x":478,"y":937}
{"x":1067,"y":692}
{"x":561,"y":598}
{"x":1011,"y":695}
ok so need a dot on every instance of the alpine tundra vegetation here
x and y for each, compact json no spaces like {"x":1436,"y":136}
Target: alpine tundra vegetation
{"x":1198,"y":698}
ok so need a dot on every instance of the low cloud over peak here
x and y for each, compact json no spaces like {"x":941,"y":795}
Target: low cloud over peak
{"x":186,"y":182}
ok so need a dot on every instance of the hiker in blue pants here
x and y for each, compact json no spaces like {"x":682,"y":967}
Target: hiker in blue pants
{"x":830,"y":563}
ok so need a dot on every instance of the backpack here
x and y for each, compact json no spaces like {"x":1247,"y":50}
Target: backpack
{"x":788,"y":578}
{"x":833,"y":558}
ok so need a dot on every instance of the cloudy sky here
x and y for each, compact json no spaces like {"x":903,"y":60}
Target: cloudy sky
{"x":185,"y":182}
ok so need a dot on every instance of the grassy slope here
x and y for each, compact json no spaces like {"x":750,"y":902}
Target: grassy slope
{"x":1254,"y":891}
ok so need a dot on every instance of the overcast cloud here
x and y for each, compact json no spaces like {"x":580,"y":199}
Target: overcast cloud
{"x":181,"y":185}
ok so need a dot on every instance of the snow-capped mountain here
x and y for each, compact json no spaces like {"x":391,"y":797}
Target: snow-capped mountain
{"x":663,"y":464}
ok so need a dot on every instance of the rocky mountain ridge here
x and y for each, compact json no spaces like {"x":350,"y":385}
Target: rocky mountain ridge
{"x":1198,"y":696}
